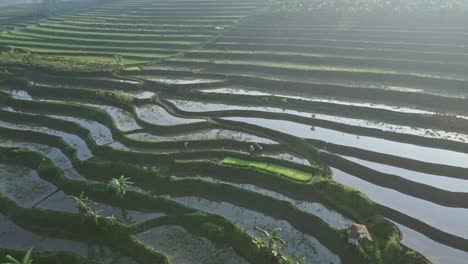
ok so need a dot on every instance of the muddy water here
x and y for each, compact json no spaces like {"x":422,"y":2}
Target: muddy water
{"x":192,"y":106}
{"x":141,"y":95}
{"x":331,"y":217}
{"x":60,"y":202}
{"x":23,"y":185}
{"x":100,"y":133}
{"x":302,"y":96}
{"x":118,"y":146}
{"x":82,"y":150}
{"x":124,"y":120}
{"x":54,"y":154}
{"x":211,"y":134}
{"x":157,"y":115}
{"x":354,"y":83}
{"x":438,"y":156}
{"x":13,"y":236}
{"x":298,"y":242}
{"x":441,"y":182}
{"x":183,"y":247}
{"x":287,"y":156}
{"x":166,"y":80}
{"x":447,"y":219}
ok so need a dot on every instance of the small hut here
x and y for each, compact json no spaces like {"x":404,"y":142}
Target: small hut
{"x":356,"y":233}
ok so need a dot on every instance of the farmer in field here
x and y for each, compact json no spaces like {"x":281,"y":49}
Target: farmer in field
{"x":251,"y":150}
{"x":260,"y":148}
{"x":186,"y":145}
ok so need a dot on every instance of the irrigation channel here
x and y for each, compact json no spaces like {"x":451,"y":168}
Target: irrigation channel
{"x":350,"y":123}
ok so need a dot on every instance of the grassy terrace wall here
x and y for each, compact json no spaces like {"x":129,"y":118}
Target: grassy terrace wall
{"x":114,"y":234}
{"x":406,"y":119}
{"x":46,"y":221}
{"x":423,"y":100}
{"x":233,"y":43}
{"x":322,"y":188}
{"x":333,"y":193}
{"x":104,"y":118}
{"x":76,"y":93}
{"x":300,"y":219}
{"x":144,"y":34}
{"x":332,"y":61}
{"x":317,"y":72}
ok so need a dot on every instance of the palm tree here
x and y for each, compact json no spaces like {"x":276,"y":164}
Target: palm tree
{"x":120,"y":185}
{"x":27,"y":259}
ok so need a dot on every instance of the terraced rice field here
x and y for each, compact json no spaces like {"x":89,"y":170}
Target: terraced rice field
{"x":351,"y":122}
{"x":137,"y":30}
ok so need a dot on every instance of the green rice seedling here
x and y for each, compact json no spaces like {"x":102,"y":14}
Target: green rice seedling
{"x":275,"y":169}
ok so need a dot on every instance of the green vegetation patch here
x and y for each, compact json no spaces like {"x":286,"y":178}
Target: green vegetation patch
{"x":280,"y":170}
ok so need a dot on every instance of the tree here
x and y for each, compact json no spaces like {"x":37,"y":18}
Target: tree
{"x":119,"y":185}
{"x":27,"y":259}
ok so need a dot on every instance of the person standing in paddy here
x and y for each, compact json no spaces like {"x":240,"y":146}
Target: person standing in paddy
{"x":251,"y":150}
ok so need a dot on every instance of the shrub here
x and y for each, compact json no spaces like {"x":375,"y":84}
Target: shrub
{"x":118,"y":98}
{"x":213,"y":231}
{"x":27,"y":259}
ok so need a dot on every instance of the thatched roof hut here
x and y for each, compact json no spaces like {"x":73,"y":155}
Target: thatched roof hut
{"x":358,"y":232}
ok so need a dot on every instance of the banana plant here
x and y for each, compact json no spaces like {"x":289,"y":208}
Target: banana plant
{"x":274,"y":244}
{"x":27,"y":259}
{"x":272,"y":241}
{"x":119,"y":185}
{"x":84,"y":207}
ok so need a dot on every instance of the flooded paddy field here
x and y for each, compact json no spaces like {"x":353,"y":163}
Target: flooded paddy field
{"x":168,"y":240}
{"x":233,"y":132}
{"x":303,"y":244}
